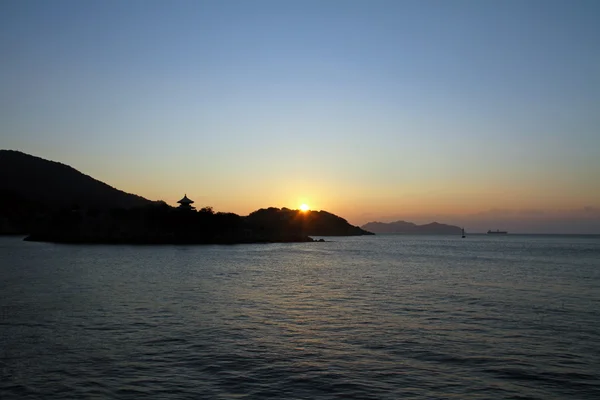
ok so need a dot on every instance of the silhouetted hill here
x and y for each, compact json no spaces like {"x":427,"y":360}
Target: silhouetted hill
{"x":312,"y":223}
{"x":410,"y":228}
{"x":159,"y":223}
{"x":54,"y":202}
{"x":30,"y":185}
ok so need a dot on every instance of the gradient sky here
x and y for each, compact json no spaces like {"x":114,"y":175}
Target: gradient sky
{"x":373,"y":110}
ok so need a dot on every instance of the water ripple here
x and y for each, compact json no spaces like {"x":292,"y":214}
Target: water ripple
{"x":357,"y":318}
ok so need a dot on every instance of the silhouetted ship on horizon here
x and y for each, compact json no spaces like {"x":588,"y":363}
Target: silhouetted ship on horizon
{"x":497,"y":232}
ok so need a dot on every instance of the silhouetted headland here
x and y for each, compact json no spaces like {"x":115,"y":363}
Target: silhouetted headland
{"x":56,"y":203}
{"x":434,"y":228}
{"x":162,"y":224}
{"x":32,"y":188}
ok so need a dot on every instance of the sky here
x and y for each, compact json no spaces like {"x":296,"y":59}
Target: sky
{"x":481,"y":113}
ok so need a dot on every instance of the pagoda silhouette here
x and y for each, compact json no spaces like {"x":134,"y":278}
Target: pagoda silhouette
{"x":186,"y":204}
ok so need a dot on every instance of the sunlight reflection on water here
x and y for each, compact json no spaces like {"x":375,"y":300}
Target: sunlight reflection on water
{"x":365,"y":317}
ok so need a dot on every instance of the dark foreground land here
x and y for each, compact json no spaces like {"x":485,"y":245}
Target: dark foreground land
{"x":54,"y":202}
{"x":162,"y":224}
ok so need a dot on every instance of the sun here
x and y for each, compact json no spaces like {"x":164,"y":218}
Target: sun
{"x":304,"y":207}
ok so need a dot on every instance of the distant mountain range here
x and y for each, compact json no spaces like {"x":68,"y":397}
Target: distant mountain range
{"x":410,"y":228}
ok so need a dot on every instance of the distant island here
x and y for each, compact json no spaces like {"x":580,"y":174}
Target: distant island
{"x":53,"y":202}
{"x":410,"y":228}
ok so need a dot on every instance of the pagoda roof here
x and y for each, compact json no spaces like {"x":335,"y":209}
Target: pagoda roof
{"x":185,"y":200}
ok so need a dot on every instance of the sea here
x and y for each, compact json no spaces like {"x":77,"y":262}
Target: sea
{"x":371,"y":317}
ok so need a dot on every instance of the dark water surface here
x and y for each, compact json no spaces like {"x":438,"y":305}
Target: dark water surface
{"x":384,"y":317}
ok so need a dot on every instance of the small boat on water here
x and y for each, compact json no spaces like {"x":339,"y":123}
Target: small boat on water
{"x":497,"y":232}
{"x":463,"y":233}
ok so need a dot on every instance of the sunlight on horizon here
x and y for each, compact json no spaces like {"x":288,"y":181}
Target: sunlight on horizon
{"x":329,"y":106}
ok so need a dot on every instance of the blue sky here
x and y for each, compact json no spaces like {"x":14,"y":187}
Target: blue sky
{"x":374,"y":108}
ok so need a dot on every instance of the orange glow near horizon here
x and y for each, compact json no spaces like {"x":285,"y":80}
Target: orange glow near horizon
{"x":359,"y":203}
